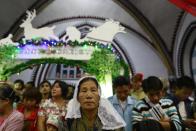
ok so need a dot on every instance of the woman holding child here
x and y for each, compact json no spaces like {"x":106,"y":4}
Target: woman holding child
{"x":52,"y":112}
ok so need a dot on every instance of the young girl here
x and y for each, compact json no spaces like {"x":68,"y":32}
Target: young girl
{"x":52,"y":123}
{"x":30,"y":106}
{"x":45,"y":89}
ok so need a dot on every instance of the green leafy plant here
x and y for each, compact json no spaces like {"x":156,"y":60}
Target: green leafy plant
{"x":103,"y":62}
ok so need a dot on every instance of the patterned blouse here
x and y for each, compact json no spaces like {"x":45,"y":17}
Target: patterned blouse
{"x":50,"y":108}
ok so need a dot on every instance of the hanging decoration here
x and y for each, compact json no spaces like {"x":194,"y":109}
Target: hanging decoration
{"x":102,"y":62}
{"x":187,"y":5}
{"x":42,"y":46}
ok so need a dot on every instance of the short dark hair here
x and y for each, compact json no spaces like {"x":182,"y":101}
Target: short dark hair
{"x":185,"y":82}
{"x":120,"y":81}
{"x":7,"y":92}
{"x":152,"y":83}
{"x":31,"y":84}
{"x":33,"y":94}
{"x":45,"y":81}
{"x":63,"y":86}
{"x":20,"y":81}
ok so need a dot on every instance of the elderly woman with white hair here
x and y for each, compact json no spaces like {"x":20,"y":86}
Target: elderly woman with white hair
{"x":87,"y":111}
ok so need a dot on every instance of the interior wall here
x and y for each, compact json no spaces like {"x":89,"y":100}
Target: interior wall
{"x":194,"y":63}
{"x":185,"y":23}
{"x":143,"y":55}
{"x":25,"y":75}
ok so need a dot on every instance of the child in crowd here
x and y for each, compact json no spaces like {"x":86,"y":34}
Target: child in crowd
{"x":19,"y":85}
{"x":55,"y":123}
{"x":136,"y":86}
{"x":29,"y":107}
{"x":18,"y":88}
{"x":153,"y":107}
{"x":52,"y":123}
{"x":45,"y":89}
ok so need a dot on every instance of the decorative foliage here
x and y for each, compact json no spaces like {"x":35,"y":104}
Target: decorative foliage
{"x":7,"y":52}
{"x":34,"y":62}
{"x":7,"y":57}
{"x":103,"y":62}
{"x":54,"y":43}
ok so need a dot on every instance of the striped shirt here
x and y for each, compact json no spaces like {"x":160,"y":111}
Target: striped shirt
{"x":143,"y":110}
{"x":14,"y":122}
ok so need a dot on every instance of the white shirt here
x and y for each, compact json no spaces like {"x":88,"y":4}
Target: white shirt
{"x":182,"y":110}
{"x":123,"y":104}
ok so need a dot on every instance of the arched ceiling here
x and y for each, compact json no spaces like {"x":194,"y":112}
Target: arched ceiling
{"x":162,"y":15}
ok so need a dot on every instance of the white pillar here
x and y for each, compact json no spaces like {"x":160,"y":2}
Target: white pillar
{"x":106,"y":86}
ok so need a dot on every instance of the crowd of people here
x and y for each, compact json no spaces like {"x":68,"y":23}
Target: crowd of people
{"x":138,"y":104}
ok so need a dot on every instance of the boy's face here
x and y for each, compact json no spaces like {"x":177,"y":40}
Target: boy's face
{"x":183,"y":93}
{"x":122,"y":92}
{"x":155,"y":96}
{"x":17,"y":86}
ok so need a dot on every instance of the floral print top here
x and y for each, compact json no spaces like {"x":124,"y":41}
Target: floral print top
{"x":50,"y":108}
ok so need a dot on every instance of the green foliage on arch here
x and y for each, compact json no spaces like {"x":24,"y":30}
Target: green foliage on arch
{"x":102,"y":62}
{"x":25,"y":65}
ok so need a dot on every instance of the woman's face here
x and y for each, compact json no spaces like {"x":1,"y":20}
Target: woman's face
{"x":45,"y":88}
{"x":56,"y":90}
{"x":88,"y":95}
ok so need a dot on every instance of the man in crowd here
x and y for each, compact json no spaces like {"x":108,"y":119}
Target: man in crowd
{"x":121,"y":101}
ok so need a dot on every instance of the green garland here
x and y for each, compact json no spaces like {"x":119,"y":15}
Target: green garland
{"x":7,"y":52}
{"x":102,"y":62}
{"x":34,"y":62}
